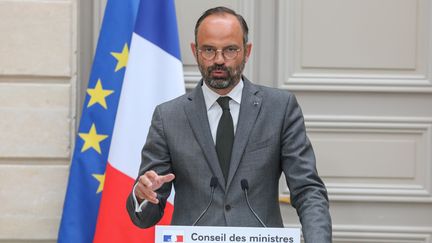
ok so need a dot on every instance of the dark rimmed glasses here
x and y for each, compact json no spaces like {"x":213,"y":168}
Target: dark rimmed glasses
{"x":228,"y":53}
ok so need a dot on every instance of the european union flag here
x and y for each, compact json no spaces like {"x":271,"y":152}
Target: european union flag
{"x":87,"y":172}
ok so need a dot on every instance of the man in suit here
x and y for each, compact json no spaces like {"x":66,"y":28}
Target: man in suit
{"x":252,"y":136}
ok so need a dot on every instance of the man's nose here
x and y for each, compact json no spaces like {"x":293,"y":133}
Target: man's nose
{"x":219,"y":58}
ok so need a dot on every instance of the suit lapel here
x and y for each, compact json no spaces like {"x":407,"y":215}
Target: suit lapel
{"x":249,"y":109}
{"x":197,"y":115}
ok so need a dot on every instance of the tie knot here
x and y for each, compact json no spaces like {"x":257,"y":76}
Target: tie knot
{"x":223,"y":101}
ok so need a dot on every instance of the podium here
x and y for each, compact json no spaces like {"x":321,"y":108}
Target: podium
{"x":209,"y":234}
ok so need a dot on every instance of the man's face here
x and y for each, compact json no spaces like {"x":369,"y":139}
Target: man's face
{"x":219,"y":32}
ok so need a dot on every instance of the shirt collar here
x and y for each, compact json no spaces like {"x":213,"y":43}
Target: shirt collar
{"x":210,"y":96}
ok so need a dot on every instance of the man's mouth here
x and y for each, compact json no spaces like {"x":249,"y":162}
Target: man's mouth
{"x":219,"y":73}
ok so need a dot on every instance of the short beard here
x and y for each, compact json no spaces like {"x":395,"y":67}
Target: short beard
{"x":234,"y":75}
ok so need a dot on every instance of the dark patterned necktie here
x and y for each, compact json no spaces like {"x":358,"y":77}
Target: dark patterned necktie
{"x":225,"y":136}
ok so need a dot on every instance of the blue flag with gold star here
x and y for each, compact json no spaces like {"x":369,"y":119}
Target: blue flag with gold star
{"x":87,"y":172}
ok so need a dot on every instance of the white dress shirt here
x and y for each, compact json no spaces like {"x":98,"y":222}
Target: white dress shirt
{"x":214,"y":113}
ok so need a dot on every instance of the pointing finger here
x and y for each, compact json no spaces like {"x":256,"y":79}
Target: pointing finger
{"x":166,"y":178}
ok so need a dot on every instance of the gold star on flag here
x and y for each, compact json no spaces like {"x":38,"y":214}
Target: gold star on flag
{"x":92,"y":139}
{"x":101,"y":179}
{"x":122,"y":57}
{"x":98,"y":95}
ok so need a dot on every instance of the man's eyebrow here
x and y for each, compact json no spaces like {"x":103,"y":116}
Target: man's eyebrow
{"x":231,"y":46}
{"x":208,"y":46}
{"x":225,"y":47}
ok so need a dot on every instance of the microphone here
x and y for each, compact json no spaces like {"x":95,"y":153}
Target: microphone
{"x":213,"y":185}
{"x":245,"y":187}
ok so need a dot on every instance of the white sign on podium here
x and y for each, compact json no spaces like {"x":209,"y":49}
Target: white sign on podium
{"x":207,"y":234}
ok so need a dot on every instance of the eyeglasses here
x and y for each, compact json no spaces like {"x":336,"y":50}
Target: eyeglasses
{"x":228,"y":53}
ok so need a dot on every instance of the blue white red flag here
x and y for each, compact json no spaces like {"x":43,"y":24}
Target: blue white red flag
{"x":124,"y":88}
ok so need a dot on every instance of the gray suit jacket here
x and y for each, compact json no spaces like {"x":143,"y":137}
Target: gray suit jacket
{"x":270,"y":139}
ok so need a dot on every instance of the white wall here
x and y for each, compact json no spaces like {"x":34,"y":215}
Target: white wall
{"x":38,"y":78}
{"x":361,"y":71}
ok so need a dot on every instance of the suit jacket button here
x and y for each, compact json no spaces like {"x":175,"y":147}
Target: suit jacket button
{"x":227,"y":207}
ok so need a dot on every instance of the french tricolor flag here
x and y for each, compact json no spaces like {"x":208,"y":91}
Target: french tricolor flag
{"x":153,"y":75}
{"x":172,"y":238}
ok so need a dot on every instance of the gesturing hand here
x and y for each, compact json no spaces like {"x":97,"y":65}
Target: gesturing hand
{"x":148,"y":184}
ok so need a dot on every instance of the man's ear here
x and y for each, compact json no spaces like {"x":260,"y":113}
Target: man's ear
{"x":194,"y":50}
{"x":248,"y":51}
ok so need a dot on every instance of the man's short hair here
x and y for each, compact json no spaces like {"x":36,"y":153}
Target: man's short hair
{"x":220,"y":11}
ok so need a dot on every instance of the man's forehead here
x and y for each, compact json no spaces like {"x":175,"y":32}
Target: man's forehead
{"x":219,"y":19}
